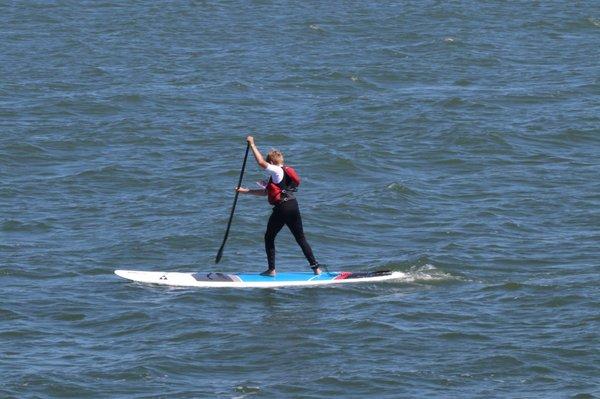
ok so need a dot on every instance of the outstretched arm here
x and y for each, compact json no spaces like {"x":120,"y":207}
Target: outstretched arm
{"x":257,"y":155}
{"x":259,"y":191}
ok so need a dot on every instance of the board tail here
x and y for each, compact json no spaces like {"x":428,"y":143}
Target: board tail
{"x":348,"y":275}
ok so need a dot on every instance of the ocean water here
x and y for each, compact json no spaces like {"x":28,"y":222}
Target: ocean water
{"x":458,"y":142}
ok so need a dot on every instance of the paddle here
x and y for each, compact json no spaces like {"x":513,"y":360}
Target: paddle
{"x":220,"y":253}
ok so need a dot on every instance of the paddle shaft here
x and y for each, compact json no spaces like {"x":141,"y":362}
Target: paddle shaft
{"x":237,"y":193}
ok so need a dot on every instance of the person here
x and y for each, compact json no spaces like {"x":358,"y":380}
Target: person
{"x":279,"y":189}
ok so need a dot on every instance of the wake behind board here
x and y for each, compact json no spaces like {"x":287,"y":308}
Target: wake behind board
{"x":248,"y":280}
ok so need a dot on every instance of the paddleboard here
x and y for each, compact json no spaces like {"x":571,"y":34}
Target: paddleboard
{"x":250,"y":280}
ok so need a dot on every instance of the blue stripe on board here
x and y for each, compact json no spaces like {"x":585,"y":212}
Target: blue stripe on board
{"x":298,"y":276}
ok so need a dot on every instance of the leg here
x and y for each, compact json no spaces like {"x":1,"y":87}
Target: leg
{"x":294,"y":223}
{"x":273,"y":227}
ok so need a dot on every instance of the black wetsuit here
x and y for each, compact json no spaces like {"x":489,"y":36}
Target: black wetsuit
{"x":286,"y":213}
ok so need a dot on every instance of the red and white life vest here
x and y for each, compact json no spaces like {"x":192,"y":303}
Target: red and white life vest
{"x":282,"y":191}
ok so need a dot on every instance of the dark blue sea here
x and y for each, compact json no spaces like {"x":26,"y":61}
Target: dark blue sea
{"x":455,"y":141}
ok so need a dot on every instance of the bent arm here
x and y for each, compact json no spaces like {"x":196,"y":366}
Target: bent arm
{"x":258,"y":191}
{"x":257,"y":155}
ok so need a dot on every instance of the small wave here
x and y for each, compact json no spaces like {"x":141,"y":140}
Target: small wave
{"x":104,"y":171}
{"x":484,"y":143}
{"x":422,"y":272}
{"x":6,"y":314}
{"x":21,"y":151}
{"x":450,"y":161}
{"x":458,"y":336}
{"x":595,"y":22}
{"x":193,"y":336}
{"x":512,"y":286}
{"x":463,"y":82}
{"x":21,"y":334}
{"x":176,"y":241}
{"x":12,"y":225}
{"x":401,"y":189}
{"x":521,"y":286}
{"x":69,"y":316}
{"x":537,"y":24}
{"x":111,"y":174}
{"x":25,"y":148}
{"x":96,"y":71}
{"x":341,"y":163}
{"x":91,"y":106}
{"x":572,"y":136}
{"x":453,"y":102}
{"x":561,"y":301}
{"x":133,"y":98}
{"x":581,"y":23}
{"x":238,"y":86}
{"x":247,"y":389}
{"x":584,"y":396}
{"x":499,"y":361}
{"x":430,"y":273}
{"x":391,"y":52}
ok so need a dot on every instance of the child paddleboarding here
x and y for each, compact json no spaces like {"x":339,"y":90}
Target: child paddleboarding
{"x":283,"y":182}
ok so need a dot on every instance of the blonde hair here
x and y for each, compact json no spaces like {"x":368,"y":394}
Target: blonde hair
{"x":275,"y":157}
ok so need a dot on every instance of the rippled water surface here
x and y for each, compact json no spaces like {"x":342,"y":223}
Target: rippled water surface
{"x":457,"y":142}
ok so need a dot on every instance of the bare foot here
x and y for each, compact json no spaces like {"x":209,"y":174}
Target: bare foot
{"x":268,"y":273}
{"x":316,"y":270}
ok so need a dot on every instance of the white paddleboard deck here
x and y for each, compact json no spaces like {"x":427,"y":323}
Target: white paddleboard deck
{"x":250,"y":280}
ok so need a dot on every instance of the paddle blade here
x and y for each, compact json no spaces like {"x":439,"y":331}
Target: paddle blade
{"x":219,"y":254}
